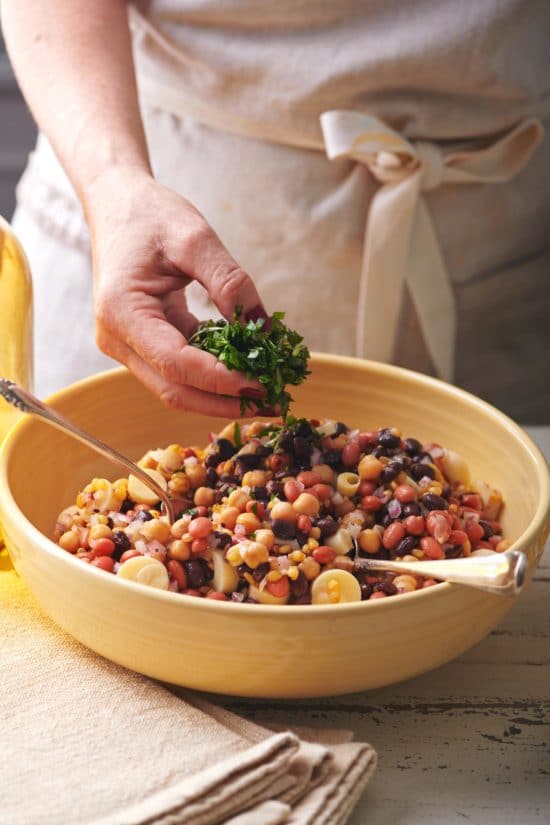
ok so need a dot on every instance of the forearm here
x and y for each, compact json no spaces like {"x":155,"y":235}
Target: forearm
{"x":73,"y":61}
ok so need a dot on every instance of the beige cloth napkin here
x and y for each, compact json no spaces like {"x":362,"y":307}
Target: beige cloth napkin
{"x":85,"y":741}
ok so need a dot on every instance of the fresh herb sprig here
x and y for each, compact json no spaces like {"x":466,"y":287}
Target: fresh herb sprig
{"x":275,"y":356}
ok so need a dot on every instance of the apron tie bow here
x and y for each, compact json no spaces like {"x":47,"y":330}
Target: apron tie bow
{"x":400,"y":241}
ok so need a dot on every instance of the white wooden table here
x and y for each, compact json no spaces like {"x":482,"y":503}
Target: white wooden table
{"x":467,"y":743}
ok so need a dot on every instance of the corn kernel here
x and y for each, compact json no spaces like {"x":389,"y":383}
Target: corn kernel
{"x":312,"y":543}
{"x":296,"y":556}
{"x":120,"y":488}
{"x":293,"y":572}
{"x":234,"y":556}
{"x":284,"y":549}
{"x":418,"y":553}
{"x":274,"y":576}
{"x":315,"y":533}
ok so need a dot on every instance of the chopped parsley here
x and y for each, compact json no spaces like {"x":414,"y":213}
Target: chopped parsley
{"x":275,"y":356}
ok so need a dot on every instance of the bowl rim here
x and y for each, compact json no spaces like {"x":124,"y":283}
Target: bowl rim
{"x":10,"y":512}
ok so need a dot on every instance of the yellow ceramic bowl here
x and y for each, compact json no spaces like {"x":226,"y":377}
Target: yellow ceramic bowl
{"x":256,"y":650}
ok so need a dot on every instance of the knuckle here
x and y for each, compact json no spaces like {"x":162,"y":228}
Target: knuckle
{"x":198,"y":235}
{"x":230,"y":281}
{"x":103,"y":340}
{"x":172,"y":398}
{"x":165,"y":366}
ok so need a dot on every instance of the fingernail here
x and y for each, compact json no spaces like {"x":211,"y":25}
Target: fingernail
{"x":258,"y":312}
{"x":251,"y":392}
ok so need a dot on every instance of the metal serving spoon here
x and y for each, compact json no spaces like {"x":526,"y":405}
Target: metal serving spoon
{"x":500,"y":573}
{"x":26,"y":402}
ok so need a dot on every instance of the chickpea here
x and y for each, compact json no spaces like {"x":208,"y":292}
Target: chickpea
{"x":228,"y":517}
{"x":238,"y":499}
{"x":70,"y":541}
{"x":254,"y":478}
{"x":180,"y":550}
{"x":266,"y":538}
{"x":283,"y":511}
{"x":171,"y":459}
{"x":369,"y":541}
{"x":100,"y":531}
{"x":254,"y":553}
{"x":179,"y":484}
{"x":204,"y":497}
{"x":196,"y":473}
{"x":306,"y":504}
{"x":370,"y":467}
{"x":325,"y":472}
{"x":156,"y":530}
{"x":250,"y":521}
{"x":405,"y":583}
{"x":310,"y":568}
{"x":180,"y":526}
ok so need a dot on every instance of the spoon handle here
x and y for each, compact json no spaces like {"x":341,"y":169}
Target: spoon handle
{"x":28,"y":403}
{"x":501,"y":573}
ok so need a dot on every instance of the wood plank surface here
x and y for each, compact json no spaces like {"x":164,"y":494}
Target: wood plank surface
{"x":466,"y":743}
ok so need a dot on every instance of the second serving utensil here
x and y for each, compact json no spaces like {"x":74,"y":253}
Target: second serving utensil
{"x":27,"y":402}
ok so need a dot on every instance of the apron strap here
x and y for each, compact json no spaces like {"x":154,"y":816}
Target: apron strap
{"x":400,"y":241}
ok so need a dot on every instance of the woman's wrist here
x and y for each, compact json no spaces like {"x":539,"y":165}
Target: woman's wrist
{"x":111,"y":188}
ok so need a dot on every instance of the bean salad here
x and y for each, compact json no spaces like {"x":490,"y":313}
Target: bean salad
{"x":282,"y":513}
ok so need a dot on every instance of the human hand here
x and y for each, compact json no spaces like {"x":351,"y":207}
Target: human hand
{"x":148,"y":244}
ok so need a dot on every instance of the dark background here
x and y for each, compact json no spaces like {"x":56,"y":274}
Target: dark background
{"x":17,"y":135}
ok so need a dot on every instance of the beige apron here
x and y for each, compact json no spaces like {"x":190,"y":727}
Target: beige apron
{"x":362,"y":252}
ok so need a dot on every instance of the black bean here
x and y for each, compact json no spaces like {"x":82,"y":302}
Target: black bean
{"x":238,"y":597}
{"x":385,"y":587}
{"x":413,"y":446}
{"x":433,"y":502}
{"x":453,"y":552}
{"x":226,"y":448}
{"x":366,"y":591}
{"x":222,"y":539}
{"x":229,"y":478}
{"x":301,"y":448}
{"x":328,"y":526}
{"x":260,"y":571}
{"x":305,"y":598}
{"x":487,"y":529}
{"x":274,"y":488}
{"x":196,"y":570}
{"x":121,"y":540}
{"x":299,"y":586}
{"x":419,"y":471}
{"x":211,"y":477}
{"x":391,"y":471}
{"x":286,"y":440}
{"x":144,"y":515}
{"x":385,"y":519}
{"x":340,"y":429}
{"x":412,"y":508}
{"x":283,"y":529}
{"x":260,"y":493}
{"x":126,"y":505}
{"x":380,"y":451}
{"x":303,"y":429}
{"x":332,"y":458}
{"x":406,"y":546}
{"x":301,"y":537}
{"x":388,"y":439}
